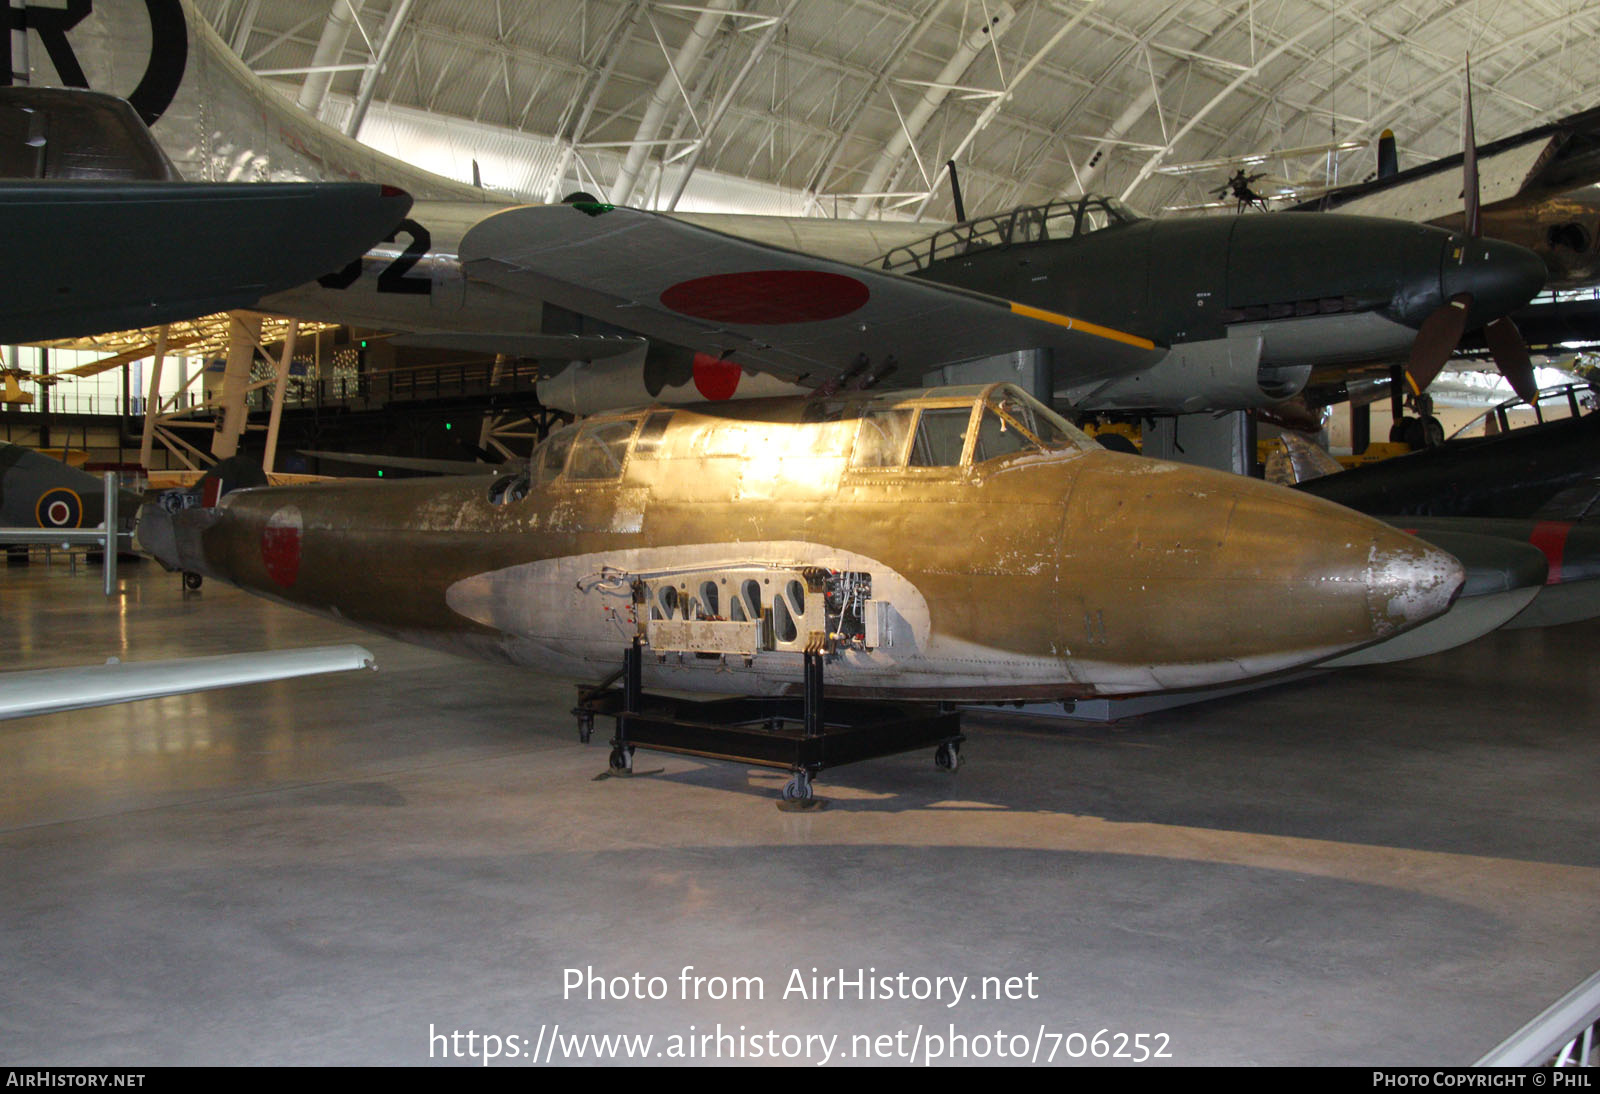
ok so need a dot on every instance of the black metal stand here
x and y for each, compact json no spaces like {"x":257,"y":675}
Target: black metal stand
{"x":791,"y":733}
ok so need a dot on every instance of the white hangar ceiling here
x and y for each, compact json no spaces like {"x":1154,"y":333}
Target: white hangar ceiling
{"x":806,"y":105}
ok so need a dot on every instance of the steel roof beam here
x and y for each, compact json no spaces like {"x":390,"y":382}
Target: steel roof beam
{"x":330,"y":48}
{"x":679,"y":66}
{"x":768,"y":35}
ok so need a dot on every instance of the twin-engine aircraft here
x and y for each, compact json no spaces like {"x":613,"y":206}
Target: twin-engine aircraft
{"x":957,"y":543}
{"x":1163,"y":316}
{"x":946,"y":543}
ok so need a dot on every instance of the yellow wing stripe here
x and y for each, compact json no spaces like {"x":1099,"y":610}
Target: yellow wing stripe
{"x":1080,"y":325}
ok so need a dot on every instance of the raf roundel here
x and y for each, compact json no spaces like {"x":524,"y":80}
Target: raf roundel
{"x":59,"y":508}
{"x":280,"y":546}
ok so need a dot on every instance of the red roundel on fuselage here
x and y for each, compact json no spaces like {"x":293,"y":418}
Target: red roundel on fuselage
{"x":280,"y":546}
{"x":714,"y":379}
{"x":767,"y":297}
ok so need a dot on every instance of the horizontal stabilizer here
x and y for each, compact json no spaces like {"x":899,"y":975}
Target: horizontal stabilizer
{"x":43,"y":691}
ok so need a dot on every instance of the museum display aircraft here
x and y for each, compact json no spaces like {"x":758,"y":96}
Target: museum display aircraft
{"x":1136,"y":314}
{"x":955,"y":543}
{"x":1538,"y":191}
{"x":108,"y":236}
{"x":40,"y":491}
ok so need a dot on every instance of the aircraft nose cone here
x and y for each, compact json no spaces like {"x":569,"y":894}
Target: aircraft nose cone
{"x":1216,"y":578}
{"x":1407,"y":581}
{"x":1500,"y":276}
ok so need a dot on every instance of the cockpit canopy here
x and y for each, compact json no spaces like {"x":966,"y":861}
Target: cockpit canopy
{"x":1027,"y":224}
{"x":957,"y":427}
{"x":911,"y":432}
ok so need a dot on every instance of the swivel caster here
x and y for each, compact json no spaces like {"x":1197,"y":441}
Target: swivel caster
{"x":621,"y":760}
{"x":947,"y":757}
{"x":798,"y":789}
{"x":585,"y":727}
{"x":192,"y":581}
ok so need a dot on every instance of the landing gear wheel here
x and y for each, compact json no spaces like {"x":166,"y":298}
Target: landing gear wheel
{"x":947,"y":757}
{"x":798,"y":789}
{"x":621,"y":759}
{"x":192,"y":580}
{"x":1418,"y":433}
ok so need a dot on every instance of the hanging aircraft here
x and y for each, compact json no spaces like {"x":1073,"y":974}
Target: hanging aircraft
{"x":106,"y":235}
{"x":1136,"y":314}
{"x":1538,"y":192}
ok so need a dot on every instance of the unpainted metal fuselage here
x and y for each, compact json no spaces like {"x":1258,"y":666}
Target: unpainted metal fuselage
{"x":957,"y":543}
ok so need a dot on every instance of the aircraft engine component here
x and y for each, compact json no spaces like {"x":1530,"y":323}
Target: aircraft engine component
{"x":749,"y":609}
{"x":1222,"y":373}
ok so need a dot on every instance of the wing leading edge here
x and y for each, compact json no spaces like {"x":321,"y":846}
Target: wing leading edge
{"x":800,"y":317}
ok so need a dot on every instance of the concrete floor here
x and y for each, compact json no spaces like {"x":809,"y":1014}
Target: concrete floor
{"x":1396,"y":865}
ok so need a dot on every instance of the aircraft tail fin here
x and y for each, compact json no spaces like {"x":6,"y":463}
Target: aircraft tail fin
{"x":40,"y":491}
{"x":214,"y":118}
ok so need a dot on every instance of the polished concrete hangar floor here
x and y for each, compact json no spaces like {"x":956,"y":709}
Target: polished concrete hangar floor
{"x":1396,"y":865}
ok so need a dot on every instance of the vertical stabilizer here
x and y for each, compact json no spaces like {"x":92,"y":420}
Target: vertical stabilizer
{"x":216,"y":120}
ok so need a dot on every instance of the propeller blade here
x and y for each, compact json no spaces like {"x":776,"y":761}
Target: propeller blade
{"x":1436,"y":341}
{"x":1469,"y":162}
{"x":1511,"y":355}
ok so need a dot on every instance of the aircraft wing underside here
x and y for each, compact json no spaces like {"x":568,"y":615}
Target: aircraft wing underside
{"x":801,"y":318}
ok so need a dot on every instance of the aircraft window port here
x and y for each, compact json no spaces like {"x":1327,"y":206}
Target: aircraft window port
{"x":881,"y":438}
{"x":599,"y":450}
{"x":551,"y":457}
{"x":655,"y":427}
{"x":941,"y":437}
{"x":509,"y":486}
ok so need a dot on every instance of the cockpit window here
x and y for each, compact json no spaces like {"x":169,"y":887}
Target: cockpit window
{"x":941,"y":437}
{"x":998,"y":436}
{"x":1027,"y":224}
{"x":1014,"y":422}
{"x":551,"y":458}
{"x":600,"y":449}
{"x":881,"y":438}
{"x":655,"y":427}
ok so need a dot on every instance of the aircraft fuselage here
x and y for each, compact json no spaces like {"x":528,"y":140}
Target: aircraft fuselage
{"x":962,"y":543}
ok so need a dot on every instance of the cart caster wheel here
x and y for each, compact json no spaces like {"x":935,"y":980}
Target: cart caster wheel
{"x":192,"y":580}
{"x":798,"y":789}
{"x":622,"y":759}
{"x":947,"y":757}
{"x":585,"y":727}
